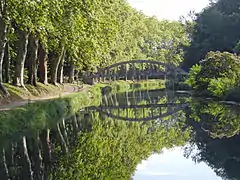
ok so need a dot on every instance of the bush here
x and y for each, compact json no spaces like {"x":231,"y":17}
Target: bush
{"x":217,"y":74}
{"x":192,"y":76}
{"x":219,"y":87}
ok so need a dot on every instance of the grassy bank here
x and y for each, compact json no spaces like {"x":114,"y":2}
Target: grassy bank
{"x":20,"y":96}
{"x":44,"y":91}
{"x":36,"y":115}
{"x":35,"y":92}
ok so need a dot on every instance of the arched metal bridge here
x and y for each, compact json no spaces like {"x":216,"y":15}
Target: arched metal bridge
{"x":134,"y":70}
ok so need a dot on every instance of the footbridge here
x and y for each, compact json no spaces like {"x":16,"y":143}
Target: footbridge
{"x":147,"y":112}
{"x":133,"y":70}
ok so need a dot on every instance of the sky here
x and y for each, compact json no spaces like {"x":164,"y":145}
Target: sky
{"x":172,"y":165}
{"x":168,"y":9}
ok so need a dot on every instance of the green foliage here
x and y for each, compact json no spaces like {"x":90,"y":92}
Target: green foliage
{"x":99,"y":147}
{"x":216,"y":128}
{"x":219,"y":120}
{"x":216,"y":29}
{"x":112,"y":149}
{"x":220,"y":86}
{"x":217,"y":74}
{"x":192,"y":76}
{"x":123,"y":86}
{"x":237,"y":48}
{"x":93,"y":33}
{"x":36,"y":115}
{"x":217,"y":64}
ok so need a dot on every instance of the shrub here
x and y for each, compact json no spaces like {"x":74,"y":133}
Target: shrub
{"x":192,"y":76}
{"x":219,"y":87}
{"x":217,"y":74}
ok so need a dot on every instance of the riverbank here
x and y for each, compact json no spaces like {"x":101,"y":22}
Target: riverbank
{"x":36,"y":115}
{"x":19,"y":96}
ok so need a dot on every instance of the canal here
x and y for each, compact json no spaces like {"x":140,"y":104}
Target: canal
{"x":135,"y":133}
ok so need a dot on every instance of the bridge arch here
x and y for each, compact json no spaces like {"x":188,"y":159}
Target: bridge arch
{"x":133,"y":70}
{"x":154,"y":111}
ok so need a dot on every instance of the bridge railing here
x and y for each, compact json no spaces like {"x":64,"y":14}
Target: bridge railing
{"x":130,"y":70}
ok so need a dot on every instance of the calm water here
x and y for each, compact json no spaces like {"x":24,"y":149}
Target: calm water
{"x":147,"y":134}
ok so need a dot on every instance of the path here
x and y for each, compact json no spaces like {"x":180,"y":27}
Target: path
{"x":68,"y":89}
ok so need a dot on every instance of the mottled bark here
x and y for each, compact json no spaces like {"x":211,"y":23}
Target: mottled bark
{"x":55,"y":61}
{"x":22,"y":44}
{"x":3,"y":39}
{"x":43,"y":77}
{"x":33,"y":55}
{"x":7,"y":64}
{"x":60,"y":68}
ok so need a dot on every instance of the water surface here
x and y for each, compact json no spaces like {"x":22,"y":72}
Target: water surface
{"x":134,"y":134}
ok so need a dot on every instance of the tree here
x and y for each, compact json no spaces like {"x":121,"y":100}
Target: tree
{"x":63,"y":36}
{"x":216,"y":136}
{"x":218,"y":73}
{"x":216,"y":29}
{"x":3,"y":38}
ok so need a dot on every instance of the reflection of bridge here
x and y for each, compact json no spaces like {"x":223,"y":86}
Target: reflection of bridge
{"x":140,"y":112}
{"x":133,"y":70}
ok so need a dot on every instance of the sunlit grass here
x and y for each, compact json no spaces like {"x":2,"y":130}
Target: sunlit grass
{"x":39,"y":115}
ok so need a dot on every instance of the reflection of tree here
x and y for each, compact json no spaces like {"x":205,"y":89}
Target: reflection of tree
{"x":215,"y":133}
{"x":217,"y":119}
{"x":50,"y":141}
{"x":112,"y":149}
{"x":147,"y":96}
{"x":141,"y":105}
{"x":93,"y":146}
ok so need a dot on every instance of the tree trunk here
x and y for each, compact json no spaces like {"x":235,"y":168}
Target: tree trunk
{"x":75,"y":124}
{"x":54,"y":66}
{"x":33,"y":52}
{"x":43,"y":78}
{"x":4,"y":164}
{"x":79,"y":122}
{"x":21,"y":57}
{"x":29,"y":164}
{"x":65,"y":135}
{"x":7,"y":64}
{"x":3,"y":39}
{"x":62,"y":140}
{"x":71,"y":73}
{"x":46,"y":146}
{"x":37,"y":157}
{"x":60,"y":68}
